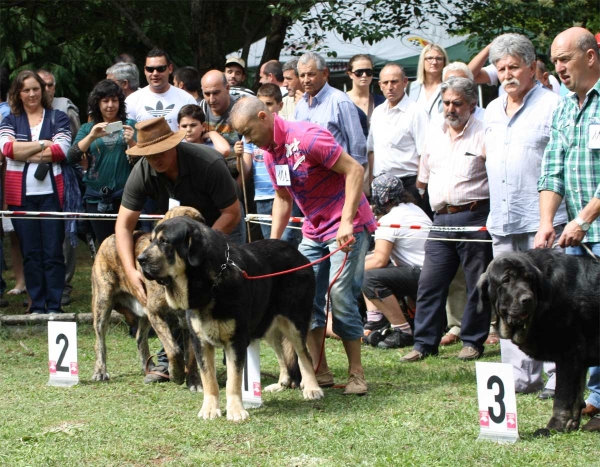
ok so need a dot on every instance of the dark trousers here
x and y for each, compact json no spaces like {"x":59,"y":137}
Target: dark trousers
{"x":102,"y":228}
{"x":41,"y":243}
{"x":400,"y":281}
{"x":441,"y":263}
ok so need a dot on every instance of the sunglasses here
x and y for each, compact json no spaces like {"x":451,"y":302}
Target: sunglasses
{"x":160,"y":69}
{"x":364,"y":71}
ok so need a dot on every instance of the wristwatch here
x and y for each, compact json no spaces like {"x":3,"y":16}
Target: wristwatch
{"x":583,"y":224}
{"x":42,"y":144}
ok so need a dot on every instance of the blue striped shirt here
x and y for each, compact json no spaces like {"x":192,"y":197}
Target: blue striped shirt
{"x":333,"y":109}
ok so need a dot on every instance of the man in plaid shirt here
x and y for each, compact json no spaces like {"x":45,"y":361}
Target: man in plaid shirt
{"x":571,"y":164}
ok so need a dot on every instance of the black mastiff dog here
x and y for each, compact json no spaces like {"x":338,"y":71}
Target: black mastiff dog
{"x":548,"y":303}
{"x":203,"y":274}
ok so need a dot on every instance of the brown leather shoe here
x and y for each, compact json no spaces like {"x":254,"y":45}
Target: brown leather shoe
{"x":493,"y":339}
{"x":325,"y":380}
{"x":357,"y":385}
{"x":413,"y":356}
{"x":449,"y":339}
{"x":469,"y":353}
{"x":592,"y":425}
{"x":590,"y":410}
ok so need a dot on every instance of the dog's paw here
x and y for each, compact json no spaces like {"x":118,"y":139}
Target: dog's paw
{"x":176,"y":373}
{"x":195,"y":387}
{"x":274,"y":388}
{"x":237,"y":414}
{"x":313,"y":394}
{"x":209,"y":413}
{"x":100,"y":376}
{"x":542,"y":433}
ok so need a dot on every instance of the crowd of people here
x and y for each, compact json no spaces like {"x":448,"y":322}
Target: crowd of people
{"x":419,"y":153}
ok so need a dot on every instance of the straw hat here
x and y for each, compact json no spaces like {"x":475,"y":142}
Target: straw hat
{"x":155,"y":136}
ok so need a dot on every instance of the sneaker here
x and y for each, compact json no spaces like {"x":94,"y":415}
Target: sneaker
{"x":374,"y":337}
{"x":383,"y":323}
{"x":159,"y":374}
{"x":395,"y":339}
{"x":357,"y":385}
{"x":413,"y":356}
{"x":469,"y":353}
{"x":65,"y":299}
{"x":325,"y":380}
{"x":546,"y":394}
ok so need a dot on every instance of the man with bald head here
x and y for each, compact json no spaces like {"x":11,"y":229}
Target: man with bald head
{"x":308,"y":166}
{"x":571,"y":164}
{"x":217,"y":104}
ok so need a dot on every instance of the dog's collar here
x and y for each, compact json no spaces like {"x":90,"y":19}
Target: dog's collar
{"x":228,"y":262}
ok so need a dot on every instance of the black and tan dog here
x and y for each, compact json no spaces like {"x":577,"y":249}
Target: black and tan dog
{"x":548,"y":304}
{"x":111,"y":290}
{"x":202,"y":273}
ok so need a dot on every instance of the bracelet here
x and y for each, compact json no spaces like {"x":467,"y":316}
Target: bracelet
{"x":42,"y":144}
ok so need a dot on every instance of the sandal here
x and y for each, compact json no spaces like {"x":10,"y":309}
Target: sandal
{"x":16,"y":291}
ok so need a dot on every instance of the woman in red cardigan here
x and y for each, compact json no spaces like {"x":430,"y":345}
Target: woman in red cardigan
{"x":35,"y":139}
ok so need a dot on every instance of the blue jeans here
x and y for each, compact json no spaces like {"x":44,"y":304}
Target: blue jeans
{"x":292,"y":236}
{"x":347,"y":322}
{"x":594,"y":381}
{"x":439,"y":268}
{"x":41,"y":243}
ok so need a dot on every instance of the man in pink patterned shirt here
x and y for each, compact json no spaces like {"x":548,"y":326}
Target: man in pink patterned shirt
{"x":307,"y":165}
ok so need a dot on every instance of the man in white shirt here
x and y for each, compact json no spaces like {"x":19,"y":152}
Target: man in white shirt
{"x":159,"y":98}
{"x":517,"y":129}
{"x":397,"y":133}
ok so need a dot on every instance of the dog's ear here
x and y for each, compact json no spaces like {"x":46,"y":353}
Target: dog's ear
{"x":543,"y":285}
{"x":484,"y":295}
{"x":195,"y":241}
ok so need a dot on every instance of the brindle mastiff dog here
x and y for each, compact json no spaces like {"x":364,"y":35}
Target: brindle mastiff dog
{"x":202,"y":274}
{"x":111,"y":290}
{"x":548,"y":303}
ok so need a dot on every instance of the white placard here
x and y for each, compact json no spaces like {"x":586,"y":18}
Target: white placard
{"x":251,"y":388}
{"x":62,"y":353}
{"x":497,"y":402}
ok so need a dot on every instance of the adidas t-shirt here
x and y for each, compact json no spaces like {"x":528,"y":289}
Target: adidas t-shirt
{"x":145,"y":104}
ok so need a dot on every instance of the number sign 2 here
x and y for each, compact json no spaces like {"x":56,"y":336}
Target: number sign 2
{"x":497,"y":402}
{"x":62,"y":353}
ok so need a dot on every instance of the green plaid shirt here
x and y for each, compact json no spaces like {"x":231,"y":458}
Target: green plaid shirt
{"x":569,"y":168}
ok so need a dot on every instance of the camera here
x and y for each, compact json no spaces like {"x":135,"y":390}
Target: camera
{"x":114,"y":126}
{"x":105,"y":205}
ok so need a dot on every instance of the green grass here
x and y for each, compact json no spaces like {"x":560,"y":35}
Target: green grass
{"x":421,"y":414}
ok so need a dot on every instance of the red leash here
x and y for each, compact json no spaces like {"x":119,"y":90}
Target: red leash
{"x":246,"y":276}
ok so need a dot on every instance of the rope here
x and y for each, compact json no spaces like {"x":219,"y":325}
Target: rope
{"x":245,"y":195}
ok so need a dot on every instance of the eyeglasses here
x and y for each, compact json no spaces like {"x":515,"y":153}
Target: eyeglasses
{"x":434,"y":59}
{"x":160,"y":69}
{"x":364,"y":71}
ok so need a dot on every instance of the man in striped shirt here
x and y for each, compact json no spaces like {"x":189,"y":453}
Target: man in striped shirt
{"x":453,"y":165}
{"x":571,"y":164}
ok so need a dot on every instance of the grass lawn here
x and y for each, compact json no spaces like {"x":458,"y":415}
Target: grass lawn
{"x":422,"y":414}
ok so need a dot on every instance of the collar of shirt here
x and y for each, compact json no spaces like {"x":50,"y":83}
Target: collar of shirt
{"x":401,"y":106}
{"x":279,"y":132}
{"x":574,"y":97}
{"x":469,"y":124}
{"x":536,"y":87}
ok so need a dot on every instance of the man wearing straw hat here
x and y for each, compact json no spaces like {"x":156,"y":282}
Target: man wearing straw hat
{"x":172,"y":173}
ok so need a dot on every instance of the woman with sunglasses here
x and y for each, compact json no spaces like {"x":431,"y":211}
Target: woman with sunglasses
{"x":102,"y":148}
{"x":360,"y":71}
{"x":426,"y":89}
{"x":35,"y":140}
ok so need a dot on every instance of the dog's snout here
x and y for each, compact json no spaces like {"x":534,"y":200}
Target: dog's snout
{"x":526,"y":299}
{"x":142,"y":259}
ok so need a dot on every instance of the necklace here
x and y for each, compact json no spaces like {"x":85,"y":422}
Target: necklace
{"x":34,"y":116}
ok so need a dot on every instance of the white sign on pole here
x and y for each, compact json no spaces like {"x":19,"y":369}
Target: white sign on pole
{"x":62,"y":353}
{"x":497,"y":402}
{"x":251,"y":388}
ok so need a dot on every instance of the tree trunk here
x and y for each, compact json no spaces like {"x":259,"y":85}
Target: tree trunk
{"x":207,"y":34}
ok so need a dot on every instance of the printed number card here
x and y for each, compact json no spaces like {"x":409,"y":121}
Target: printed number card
{"x":251,"y":388}
{"x":62,"y":353}
{"x":497,"y":402}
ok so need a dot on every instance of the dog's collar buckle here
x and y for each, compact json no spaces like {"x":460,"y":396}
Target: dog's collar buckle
{"x":228,"y":262}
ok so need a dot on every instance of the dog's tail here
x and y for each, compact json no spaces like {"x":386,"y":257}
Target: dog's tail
{"x":291,"y":362}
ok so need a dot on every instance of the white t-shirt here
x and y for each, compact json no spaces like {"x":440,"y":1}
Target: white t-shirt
{"x":33,"y":186}
{"x":145,"y":104}
{"x":409,"y":251}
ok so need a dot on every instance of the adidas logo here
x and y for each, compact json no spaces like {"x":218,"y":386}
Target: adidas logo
{"x":159,"y":111}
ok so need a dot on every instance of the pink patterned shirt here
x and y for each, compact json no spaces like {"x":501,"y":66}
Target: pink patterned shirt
{"x":309,"y":151}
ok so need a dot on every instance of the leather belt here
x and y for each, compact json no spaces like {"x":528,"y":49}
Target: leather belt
{"x":465,"y":207}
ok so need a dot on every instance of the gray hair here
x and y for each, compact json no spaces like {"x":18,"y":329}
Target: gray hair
{"x":515,"y":45}
{"x":246,"y":107}
{"x":126,"y":71}
{"x":458,"y":66}
{"x":464,"y":86}
{"x":587,"y":42}
{"x":291,"y":65}
{"x":320,"y":62}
